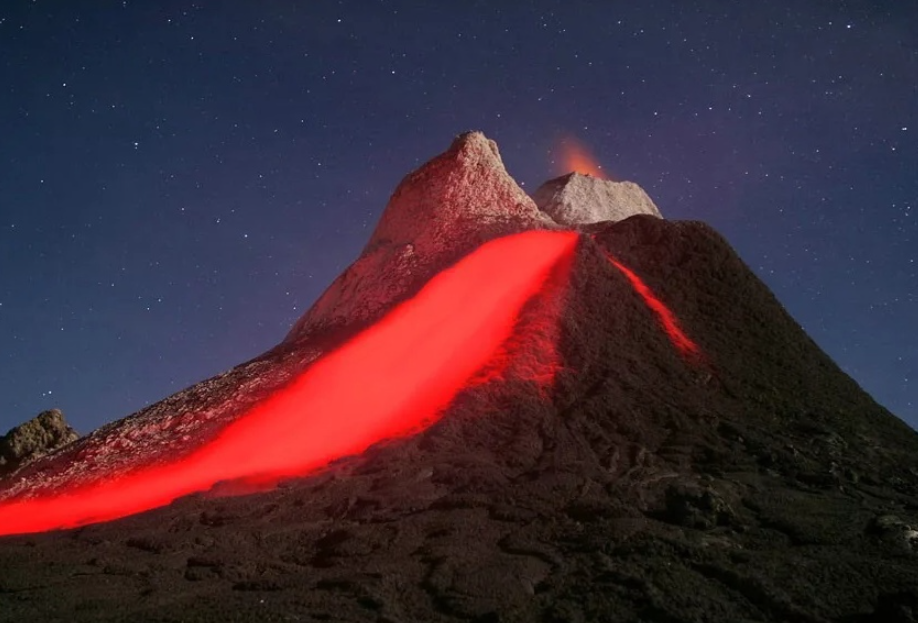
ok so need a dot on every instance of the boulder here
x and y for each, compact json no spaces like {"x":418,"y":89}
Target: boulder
{"x":33,"y":439}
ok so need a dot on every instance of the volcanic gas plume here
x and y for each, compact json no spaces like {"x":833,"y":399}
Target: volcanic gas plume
{"x":576,"y":158}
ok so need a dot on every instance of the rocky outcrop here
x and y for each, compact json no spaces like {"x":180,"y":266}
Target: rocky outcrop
{"x":574,"y":200}
{"x":438,"y":213}
{"x":33,"y":439}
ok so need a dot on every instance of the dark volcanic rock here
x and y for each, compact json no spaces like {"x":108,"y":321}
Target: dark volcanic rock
{"x":758,"y":483}
{"x":45,"y":432}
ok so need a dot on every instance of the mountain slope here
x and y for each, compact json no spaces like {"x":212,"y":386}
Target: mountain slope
{"x":755,"y":481}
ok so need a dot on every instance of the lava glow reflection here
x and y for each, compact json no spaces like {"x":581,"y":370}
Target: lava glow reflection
{"x":575,"y":157}
{"x":390,"y":380}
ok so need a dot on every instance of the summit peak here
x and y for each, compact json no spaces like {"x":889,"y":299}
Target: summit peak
{"x":576,"y":199}
{"x":465,"y":187}
{"x":438,"y":213}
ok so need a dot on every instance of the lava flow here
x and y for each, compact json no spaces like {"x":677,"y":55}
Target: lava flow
{"x":679,"y":339}
{"x":390,"y":380}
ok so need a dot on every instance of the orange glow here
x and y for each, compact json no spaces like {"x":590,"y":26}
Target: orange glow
{"x":576,"y":158}
{"x":391,"y":380}
{"x":667,"y":319}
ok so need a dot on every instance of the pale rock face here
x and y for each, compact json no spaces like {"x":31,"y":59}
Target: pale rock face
{"x":33,"y":439}
{"x":574,"y":200}
{"x":438,"y":213}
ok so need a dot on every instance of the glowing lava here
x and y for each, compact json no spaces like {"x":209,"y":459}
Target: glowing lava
{"x":667,"y":319}
{"x":391,"y":380}
{"x":575,"y":157}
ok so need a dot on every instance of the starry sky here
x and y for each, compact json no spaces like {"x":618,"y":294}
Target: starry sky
{"x":179,"y":181}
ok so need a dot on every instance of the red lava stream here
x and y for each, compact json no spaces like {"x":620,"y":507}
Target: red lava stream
{"x":388,"y":381}
{"x":667,"y":318}
{"x":391,"y":380}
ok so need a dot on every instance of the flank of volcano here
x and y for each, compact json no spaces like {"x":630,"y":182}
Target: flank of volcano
{"x":557,"y":408}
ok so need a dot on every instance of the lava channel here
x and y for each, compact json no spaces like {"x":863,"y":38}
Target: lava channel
{"x":391,"y":380}
{"x":683,"y":343}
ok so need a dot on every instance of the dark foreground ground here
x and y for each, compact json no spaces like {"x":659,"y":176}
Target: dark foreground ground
{"x":760,"y":484}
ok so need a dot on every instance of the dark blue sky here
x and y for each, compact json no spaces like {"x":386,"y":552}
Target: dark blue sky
{"x":179,"y":181}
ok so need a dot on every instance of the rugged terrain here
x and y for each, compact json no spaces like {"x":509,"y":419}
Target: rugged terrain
{"x":753,"y":482}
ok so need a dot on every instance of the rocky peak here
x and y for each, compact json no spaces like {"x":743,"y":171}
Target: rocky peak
{"x":465,"y":188}
{"x":437,"y":214}
{"x":575,"y":199}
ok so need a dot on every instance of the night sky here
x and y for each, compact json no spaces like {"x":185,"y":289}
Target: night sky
{"x":180,"y":181}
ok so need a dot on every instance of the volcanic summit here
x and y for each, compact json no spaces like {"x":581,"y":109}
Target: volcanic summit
{"x":558,"y":408}
{"x":438,"y":214}
{"x":574,"y":200}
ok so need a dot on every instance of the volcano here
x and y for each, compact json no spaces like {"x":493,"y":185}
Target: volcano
{"x":557,"y":408}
